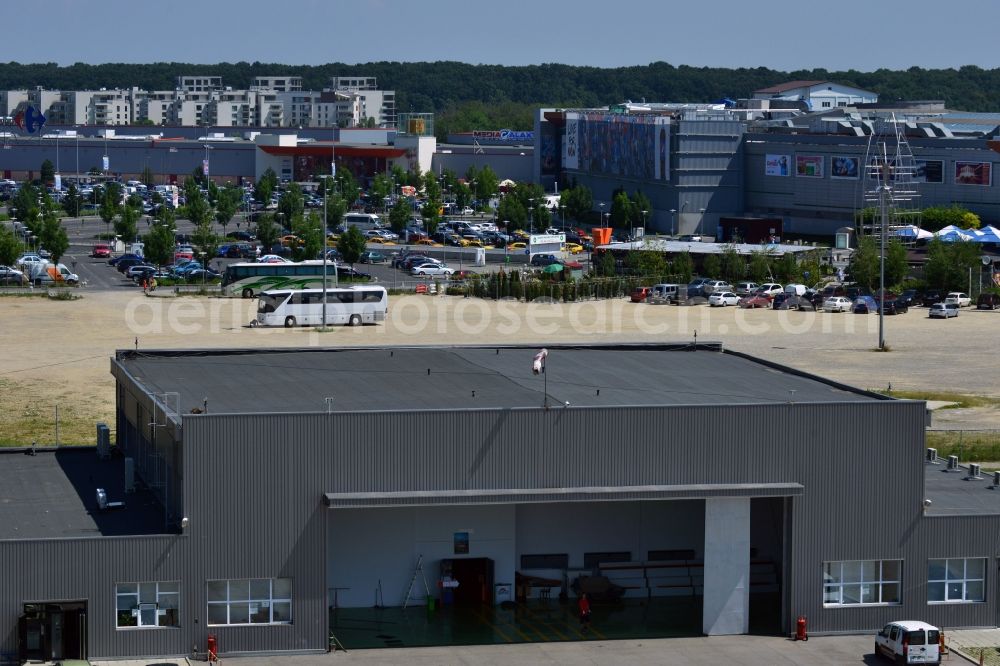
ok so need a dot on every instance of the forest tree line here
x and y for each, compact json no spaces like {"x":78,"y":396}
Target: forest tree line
{"x":466,"y":96}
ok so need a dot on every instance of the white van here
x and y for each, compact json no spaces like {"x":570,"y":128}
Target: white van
{"x":49,"y":273}
{"x":909,"y":642}
{"x":795,"y":289}
{"x":363,"y":221}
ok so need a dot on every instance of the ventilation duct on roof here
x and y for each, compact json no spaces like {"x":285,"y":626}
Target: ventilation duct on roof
{"x":974,"y":471}
{"x":932,"y":456}
{"x":952,"y":463}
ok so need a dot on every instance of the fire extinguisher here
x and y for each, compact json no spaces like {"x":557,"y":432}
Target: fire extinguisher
{"x":800,"y":629}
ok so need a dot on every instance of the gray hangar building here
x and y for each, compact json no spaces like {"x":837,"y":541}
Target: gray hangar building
{"x":253,"y":495}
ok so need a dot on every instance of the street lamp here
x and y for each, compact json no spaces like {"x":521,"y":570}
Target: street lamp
{"x":673,"y":212}
{"x":602,"y":212}
{"x":644,"y":222}
{"x":531,"y":217}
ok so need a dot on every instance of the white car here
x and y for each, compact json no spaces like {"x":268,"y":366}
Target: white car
{"x":468,"y":211}
{"x":908,"y":642}
{"x":273,"y":259}
{"x":837,"y":304}
{"x":27,"y":261}
{"x":431,"y":268}
{"x":943,"y":310}
{"x":746,"y":288}
{"x":723,"y":298}
{"x":958,"y":298}
{"x":769,"y":289}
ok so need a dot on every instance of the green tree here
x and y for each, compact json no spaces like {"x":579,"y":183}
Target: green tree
{"x":648,"y":262}
{"x":52,"y":236}
{"x":786,"y":269}
{"x":760,"y":266}
{"x":159,"y":242}
{"x":336,"y":208}
{"x":683,"y":265}
{"x":226,"y":204}
{"x":948,"y":264}
{"x":487,"y":183}
{"x":10,"y":246}
{"x":146,"y":177}
{"x":24,"y":206}
{"x":938,"y":217}
{"x":267,"y":232}
{"x":733,"y":266}
{"x":206,"y":242}
{"x":196,"y":208}
{"x":606,"y":265}
{"x":431,"y":214}
{"x":48,"y":173}
{"x":347,"y":186}
{"x":72,"y":202}
{"x":381,"y":188}
{"x":621,"y":211}
{"x":896,"y":265}
{"x":399,"y":217}
{"x":265,"y":186}
{"x":640,"y":202}
{"x":127,"y":224}
{"x":711,"y":265}
{"x":512,"y":213}
{"x":351,"y":244}
{"x":864,"y":266}
{"x":110,"y":202}
{"x":309,"y":229}
{"x":577,"y":201}
{"x":290,"y":206}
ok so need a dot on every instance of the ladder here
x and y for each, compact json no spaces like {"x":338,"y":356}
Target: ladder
{"x":419,"y":569}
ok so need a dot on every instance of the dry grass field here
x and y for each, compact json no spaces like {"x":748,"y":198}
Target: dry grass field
{"x":56,"y":353}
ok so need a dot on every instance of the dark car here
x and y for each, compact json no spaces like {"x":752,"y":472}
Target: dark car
{"x":893,"y":307}
{"x":241,"y":251}
{"x":779,"y":300}
{"x":988,"y":301}
{"x":544,"y":260}
{"x":932,"y":297}
{"x":128,"y":263}
{"x":372,"y":257}
{"x":241,"y":236}
{"x":909,"y":298}
{"x":277,"y":249}
{"x":864,"y":305}
{"x":123,"y":257}
{"x":348,"y":273}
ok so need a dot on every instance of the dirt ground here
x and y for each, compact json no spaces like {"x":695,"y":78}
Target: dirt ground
{"x":56,"y":353}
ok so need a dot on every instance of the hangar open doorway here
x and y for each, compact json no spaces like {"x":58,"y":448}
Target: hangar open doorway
{"x":512,"y":572}
{"x":52,"y":631}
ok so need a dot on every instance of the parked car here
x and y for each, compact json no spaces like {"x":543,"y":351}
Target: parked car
{"x":769,"y":289}
{"x":895,"y":306}
{"x":959,"y":298}
{"x":745,"y":288}
{"x":100,"y":251}
{"x":908,"y":642}
{"x":943,"y":310}
{"x":837,"y":304}
{"x":639,"y":294}
{"x":931,"y":297}
{"x":124,"y":257}
{"x":349,"y":273}
{"x":710,"y":287}
{"x":240,"y":251}
{"x":694,"y":287}
{"x":864,"y":305}
{"x":544,"y":260}
{"x":723,"y":298}
{"x":754,"y":301}
{"x":430,"y":268}
{"x":909,"y":298}
{"x":125,"y":264}
{"x":372,"y":257}
{"x":13,"y":276}
{"x":272,"y":259}
{"x":792,"y":302}
{"x":241,"y":236}
{"x":139,"y":271}
{"x":988,"y":301}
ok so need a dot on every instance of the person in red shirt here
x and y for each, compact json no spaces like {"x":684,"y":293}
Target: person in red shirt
{"x":584,"y":606}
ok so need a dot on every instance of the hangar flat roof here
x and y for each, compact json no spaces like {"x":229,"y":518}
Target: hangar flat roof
{"x":954,"y":493}
{"x":53,"y":495}
{"x":427,"y":378}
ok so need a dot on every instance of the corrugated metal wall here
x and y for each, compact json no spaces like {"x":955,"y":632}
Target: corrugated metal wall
{"x":254,"y":487}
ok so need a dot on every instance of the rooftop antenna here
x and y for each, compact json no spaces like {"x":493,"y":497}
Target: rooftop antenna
{"x":329,"y":405}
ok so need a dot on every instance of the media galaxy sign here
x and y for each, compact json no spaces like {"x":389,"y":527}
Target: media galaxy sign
{"x":508,"y":135}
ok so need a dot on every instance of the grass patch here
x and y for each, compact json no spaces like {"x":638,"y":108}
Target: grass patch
{"x":24,"y":292}
{"x":29,"y":414}
{"x":960,"y":399}
{"x":982,"y":446}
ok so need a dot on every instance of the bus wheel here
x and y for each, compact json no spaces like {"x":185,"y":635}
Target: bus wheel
{"x":248,"y":293}
{"x":355,"y":320}
{"x":289,"y":322}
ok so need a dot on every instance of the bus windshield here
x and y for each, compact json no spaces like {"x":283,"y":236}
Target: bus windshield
{"x":271,"y":302}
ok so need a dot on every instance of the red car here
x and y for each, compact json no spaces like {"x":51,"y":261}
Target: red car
{"x":639,"y":294}
{"x":101,"y":251}
{"x":755,"y":302}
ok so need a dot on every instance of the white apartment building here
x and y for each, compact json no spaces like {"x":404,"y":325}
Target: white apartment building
{"x":199,"y":83}
{"x":278,"y":83}
{"x":231,"y":108}
{"x":155,"y":105}
{"x":373,"y":103}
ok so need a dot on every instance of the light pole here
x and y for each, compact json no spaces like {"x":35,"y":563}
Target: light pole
{"x":531,"y":217}
{"x":673,"y":212}
{"x":78,"y":160}
{"x":602,"y":212}
{"x":57,"y":159}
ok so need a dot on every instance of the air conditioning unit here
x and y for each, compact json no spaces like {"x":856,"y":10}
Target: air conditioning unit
{"x":130,"y":475}
{"x":974,"y":471}
{"x":996,"y":481}
{"x":103,"y":441}
{"x":952,"y":463}
{"x":932,"y":456}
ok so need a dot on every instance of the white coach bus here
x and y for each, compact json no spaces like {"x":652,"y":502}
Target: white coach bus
{"x":352,"y":306}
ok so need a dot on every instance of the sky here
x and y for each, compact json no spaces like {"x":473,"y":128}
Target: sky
{"x":785,"y":35}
